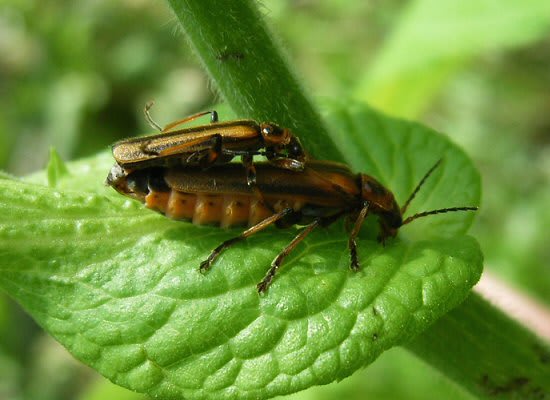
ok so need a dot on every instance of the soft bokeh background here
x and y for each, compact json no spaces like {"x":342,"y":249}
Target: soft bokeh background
{"x":75,"y":75}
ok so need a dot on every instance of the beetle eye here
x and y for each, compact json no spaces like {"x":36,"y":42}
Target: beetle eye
{"x":375,"y":187}
{"x":267,"y":130}
{"x":295,"y":149}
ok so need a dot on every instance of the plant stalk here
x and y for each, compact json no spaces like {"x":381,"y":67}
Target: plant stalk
{"x":241,"y":56}
{"x":486,"y":352}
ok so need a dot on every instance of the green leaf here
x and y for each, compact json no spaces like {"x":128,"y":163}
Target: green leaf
{"x":399,"y":153}
{"x":434,"y":39}
{"x":119,"y":286}
{"x":101,"y":389}
{"x":85,"y":175}
{"x":56,"y":168}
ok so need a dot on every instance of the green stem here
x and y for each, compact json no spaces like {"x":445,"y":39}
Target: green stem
{"x":488,"y":353}
{"x":233,"y":43}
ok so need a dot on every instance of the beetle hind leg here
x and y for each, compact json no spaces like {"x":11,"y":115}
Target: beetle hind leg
{"x":171,"y":126}
{"x":207,"y":264}
{"x":278,"y":261}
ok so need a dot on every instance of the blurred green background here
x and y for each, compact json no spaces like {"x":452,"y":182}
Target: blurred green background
{"x":75,"y":75}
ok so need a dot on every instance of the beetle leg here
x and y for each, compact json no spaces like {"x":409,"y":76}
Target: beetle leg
{"x":247,"y":161}
{"x":290,"y":156}
{"x":206,"y":264}
{"x":148,"y":117}
{"x":276,"y":264}
{"x":352,"y":243}
{"x":172,"y":125}
{"x":288,"y":163}
{"x":205,"y":157}
{"x":149,"y":105}
{"x":213,"y":152}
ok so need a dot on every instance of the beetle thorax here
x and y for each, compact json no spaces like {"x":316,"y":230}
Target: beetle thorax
{"x":381,"y":202}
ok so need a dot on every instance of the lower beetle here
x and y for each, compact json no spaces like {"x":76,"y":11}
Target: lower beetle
{"x":320,"y":194}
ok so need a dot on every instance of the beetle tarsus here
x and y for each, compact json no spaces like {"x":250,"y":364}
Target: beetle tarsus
{"x":207,"y":264}
{"x":354,"y":264}
{"x":213,"y":116}
{"x":148,"y":117}
{"x":276,"y":264}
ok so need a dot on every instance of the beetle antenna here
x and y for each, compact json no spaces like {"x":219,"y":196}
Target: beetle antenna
{"x":439,"y":211}
{"x":148,"y":117}
{"x":417,"y":188}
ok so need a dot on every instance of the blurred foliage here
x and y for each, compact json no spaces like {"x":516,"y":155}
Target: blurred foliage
{"x":75,"y":75}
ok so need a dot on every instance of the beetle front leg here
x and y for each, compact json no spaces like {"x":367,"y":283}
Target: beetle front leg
{"x":352,"y":243}
{"x":291,"y":156}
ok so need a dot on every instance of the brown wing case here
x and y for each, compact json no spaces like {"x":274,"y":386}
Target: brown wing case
{"x":320,"y":183}
{"x":145,"y":150}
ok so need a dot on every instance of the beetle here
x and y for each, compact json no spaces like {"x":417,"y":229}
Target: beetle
{"x":211,"y":144}
{"x":320,"y":194}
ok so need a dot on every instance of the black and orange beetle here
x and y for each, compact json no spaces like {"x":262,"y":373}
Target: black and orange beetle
{"x":318,"y":195}
{"x":211,"y":144}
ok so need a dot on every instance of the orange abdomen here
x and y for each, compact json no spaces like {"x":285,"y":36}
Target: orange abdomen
{"x":223,"y":210}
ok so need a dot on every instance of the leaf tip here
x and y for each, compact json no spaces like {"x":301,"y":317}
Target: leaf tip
{"x":56,"y":168}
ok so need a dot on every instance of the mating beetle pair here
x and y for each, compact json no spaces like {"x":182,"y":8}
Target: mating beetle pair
{"x":186,"y":174}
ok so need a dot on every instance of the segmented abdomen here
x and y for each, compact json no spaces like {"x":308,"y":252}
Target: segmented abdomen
{"x":225,"y":210}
